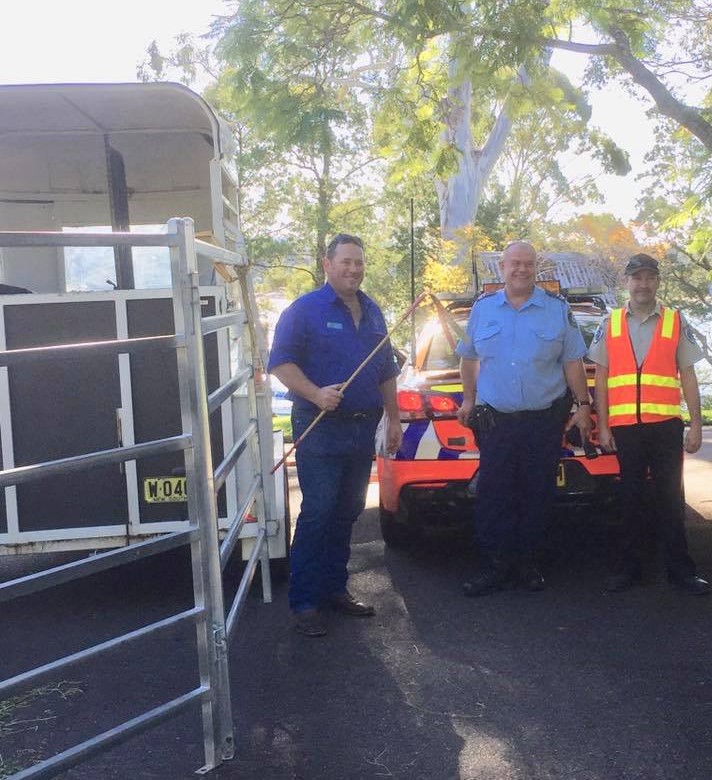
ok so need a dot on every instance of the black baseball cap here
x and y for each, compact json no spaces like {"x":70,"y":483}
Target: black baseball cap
{"x":641,"y":262}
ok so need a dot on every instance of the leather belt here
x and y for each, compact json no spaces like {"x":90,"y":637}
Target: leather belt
{"x":337,"y":415}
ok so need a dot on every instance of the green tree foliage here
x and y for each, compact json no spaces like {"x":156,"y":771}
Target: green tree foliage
{"x":674,"y":209}
{"x":631,"y":42}
{"x":462,"y":76}
{"x":345,"y":110}
{"x":298,"y":83}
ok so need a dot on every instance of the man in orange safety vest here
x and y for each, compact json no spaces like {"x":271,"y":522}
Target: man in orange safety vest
{"x":645,"y":355}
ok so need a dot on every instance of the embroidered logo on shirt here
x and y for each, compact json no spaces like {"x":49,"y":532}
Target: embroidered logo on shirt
{"x":335,"y":325}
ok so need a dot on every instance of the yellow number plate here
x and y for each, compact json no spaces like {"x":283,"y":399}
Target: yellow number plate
{"x":560,"y":475}
{"x":159,"y":490}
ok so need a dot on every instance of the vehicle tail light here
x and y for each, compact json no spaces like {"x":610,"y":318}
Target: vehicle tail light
{"x":410,"y":402}
{"x":442,"y":404}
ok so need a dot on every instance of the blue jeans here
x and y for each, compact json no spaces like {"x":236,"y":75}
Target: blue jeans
{"x":333,"y":465}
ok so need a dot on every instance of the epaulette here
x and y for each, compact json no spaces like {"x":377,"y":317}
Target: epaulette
{"x":484,"y":295}
{"x":558,"y":296}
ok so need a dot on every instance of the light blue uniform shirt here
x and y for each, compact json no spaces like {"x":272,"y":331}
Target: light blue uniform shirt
{"x":521,"y":351}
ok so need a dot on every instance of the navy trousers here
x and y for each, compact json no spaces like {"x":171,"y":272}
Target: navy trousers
{"x":654,"y":449}
{"x":516,"y":487}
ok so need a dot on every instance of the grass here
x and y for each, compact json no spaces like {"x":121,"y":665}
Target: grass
{"x":706,"y":417}
{"x":283,"y":423}
{"x":12,"y":722}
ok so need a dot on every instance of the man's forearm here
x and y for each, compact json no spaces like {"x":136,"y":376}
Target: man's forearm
{"x":691,"y":393}
{"x":468,"y":374}
{"x":601,"y":387}
{"x":292,"y":377}
{"x":390,"y":398}
{"x":575,"y":375}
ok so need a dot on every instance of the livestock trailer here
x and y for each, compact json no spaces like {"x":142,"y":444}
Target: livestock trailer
{"x":78,"y":161}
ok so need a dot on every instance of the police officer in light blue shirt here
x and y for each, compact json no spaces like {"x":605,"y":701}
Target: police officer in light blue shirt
{"x":522,"y":370}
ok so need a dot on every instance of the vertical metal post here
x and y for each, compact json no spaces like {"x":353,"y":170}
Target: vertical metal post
{"x":412,"y":280}
{"x":218,"y":736}
{"x":216,"y":200}
{"x":120,"y":220}
{"x":475,"y":275}
{"x":262,"y":449}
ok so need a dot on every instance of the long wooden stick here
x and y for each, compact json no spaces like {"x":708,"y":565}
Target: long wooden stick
{"x":353,"y":376}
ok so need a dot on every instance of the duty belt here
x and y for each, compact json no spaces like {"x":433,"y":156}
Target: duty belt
{"x":524,"y":413}
{"x":560,"y":405}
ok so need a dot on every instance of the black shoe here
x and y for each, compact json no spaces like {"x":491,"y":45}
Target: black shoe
{"x":346,"y":604}
{"x":489,"y":579}
{"x":309,"y":623}
{"x":531,"y":578}
{"x":691,"y":584}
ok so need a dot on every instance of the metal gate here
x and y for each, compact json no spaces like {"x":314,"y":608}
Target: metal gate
{"x":204,"y":480}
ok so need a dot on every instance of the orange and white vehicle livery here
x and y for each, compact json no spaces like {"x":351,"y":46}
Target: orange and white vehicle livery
{"x":430,"y":483}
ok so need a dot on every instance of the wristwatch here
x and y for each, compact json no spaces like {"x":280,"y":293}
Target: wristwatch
{"x":579,"y":404}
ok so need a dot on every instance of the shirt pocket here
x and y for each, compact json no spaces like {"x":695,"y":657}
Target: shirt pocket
{"x":548,"y":343}
{"x":487,"y":341}
{"x":331,"y":333}
{"x":330,"y":345}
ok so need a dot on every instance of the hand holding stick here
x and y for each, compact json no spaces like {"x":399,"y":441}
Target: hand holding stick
{"x":353,"y":376}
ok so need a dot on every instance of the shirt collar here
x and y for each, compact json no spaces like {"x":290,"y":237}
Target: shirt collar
{"x":330,"y":294}
{"x":654,"y":313}
{"x":535,"y":299}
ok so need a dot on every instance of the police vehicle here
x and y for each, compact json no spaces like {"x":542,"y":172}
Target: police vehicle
{"x":430,"y":483}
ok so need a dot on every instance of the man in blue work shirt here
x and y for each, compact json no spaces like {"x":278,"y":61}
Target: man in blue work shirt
{"x":522,"y":371}
{"x":318,"y":343}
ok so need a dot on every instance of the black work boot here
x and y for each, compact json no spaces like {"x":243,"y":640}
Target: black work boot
{"x":691,"y":584}
{"x":492,"y":576}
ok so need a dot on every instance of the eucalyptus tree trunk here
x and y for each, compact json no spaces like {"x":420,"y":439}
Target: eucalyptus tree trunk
{"x":459,"y":195}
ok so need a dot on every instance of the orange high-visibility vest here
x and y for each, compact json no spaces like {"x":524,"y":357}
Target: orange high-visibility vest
{"x":651,"y":392}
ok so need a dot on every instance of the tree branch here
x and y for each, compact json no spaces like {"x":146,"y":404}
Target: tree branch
{"x":689,"y":117}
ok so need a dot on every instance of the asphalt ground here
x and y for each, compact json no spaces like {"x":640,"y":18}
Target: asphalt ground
{"x":567,"y":684}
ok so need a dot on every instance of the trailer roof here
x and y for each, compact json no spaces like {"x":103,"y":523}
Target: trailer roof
{"x":78,"y":109}
{"x":56,"y":141}
{"x":120,"y":156}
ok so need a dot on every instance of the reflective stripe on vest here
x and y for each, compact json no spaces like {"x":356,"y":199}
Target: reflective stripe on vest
{"x":616,"y":318}
{"x":645,"y":379}
{"x":658,"y":409}
{"x":651,"y":392}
